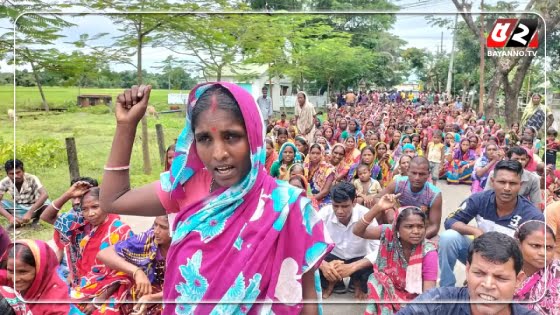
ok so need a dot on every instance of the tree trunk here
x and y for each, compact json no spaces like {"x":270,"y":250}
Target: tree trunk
{"x":145,"y":142}
{"x":39,"y":86}
{"x":512,"y":89}
{"x":490,"y":108}
{"x":466,"y":105}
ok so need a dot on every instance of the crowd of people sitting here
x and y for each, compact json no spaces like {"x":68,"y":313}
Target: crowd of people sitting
{"x":290,"y":210}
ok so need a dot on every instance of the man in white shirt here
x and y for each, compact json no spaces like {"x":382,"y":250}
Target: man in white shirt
{"x":265,"y":105}
{"x":352,"y":256}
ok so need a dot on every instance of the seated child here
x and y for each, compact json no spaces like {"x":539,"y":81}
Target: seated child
{"x":365,"y":185}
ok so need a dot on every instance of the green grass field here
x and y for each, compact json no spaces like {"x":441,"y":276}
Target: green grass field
{"x":92,"y":129}
{"x":28,"y":98}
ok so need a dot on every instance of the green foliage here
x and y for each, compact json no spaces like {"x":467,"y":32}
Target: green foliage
{"x":41,"y":153}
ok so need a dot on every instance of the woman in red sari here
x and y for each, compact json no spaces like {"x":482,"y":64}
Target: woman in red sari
{"x":407,"y":263}
{"x":338,"y":152}
{"x":36,"y":278}
{"x":95,"y":281}
{"x":353,"y":155}
{"x":271,"y":154}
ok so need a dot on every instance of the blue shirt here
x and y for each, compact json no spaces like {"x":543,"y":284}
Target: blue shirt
{"x":482,"y":207}
{"x":451,"y":294}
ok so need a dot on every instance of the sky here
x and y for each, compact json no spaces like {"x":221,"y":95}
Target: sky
{"x":413,"y":28}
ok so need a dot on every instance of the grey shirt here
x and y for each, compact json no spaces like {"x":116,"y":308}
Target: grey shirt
{"x":265,"y":105}
{"x":530,"y":186}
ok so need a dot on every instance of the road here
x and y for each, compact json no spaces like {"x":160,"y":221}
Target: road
{"x":345,"y":303}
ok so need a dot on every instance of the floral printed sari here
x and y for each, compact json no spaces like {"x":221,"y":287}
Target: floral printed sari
{"x":94,"y":277}
{"x":317,"y":176}
{"x":253,"y":241}
{"x":142,"y":250}
{"x":393,"y":277}
{"x":542,"y":284}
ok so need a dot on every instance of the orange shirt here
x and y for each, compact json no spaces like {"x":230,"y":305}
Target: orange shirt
{"x":284,"y":124}
{"x":552,"y":214}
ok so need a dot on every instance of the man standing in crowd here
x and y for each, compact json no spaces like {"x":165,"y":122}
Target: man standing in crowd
{"x":30,"y":199}
{"x":265,"y":105}
{"x":501,"y":210}
{"x":350,"y":98}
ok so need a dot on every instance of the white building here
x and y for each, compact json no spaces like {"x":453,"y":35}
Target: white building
{"x":253,"y":77}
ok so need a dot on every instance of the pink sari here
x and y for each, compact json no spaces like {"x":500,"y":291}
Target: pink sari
{"x":250,"y":242}
{"x":543,"y":287}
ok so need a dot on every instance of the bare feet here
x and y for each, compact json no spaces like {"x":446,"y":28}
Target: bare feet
{"x":329,"y":290}
{"x":359,"y":294}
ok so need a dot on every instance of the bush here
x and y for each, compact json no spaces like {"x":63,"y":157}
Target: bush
{"x":39,"y":153}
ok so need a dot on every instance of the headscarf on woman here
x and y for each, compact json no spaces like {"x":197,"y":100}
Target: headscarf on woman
{"x":479,"y":182}
{"x":461,"y":167}
{"x":276,"y":167}
{"x":47,"y":284}
{"x":356,"y":134}
{"x":318,"y":176}
{"x":305,"y":114}
{"x":249,"y":242}
{"x":394,"y":278}
{"x":386,"y":175}
{"x":341,"y":169}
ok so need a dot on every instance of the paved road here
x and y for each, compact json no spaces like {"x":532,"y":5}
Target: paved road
{"x":345,"y":303}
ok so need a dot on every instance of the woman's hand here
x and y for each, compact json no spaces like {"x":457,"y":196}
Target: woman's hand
{"x":142,"y":305}
{"x":78,"y":189}
{"x":132,"y":104}
{"x":369,"y":201}
{"x":90,"y":308}
{"x":143,"y":285}
{"x":388,"y":201}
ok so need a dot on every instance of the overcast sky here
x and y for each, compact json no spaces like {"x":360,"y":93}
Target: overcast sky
{"x":413,"y":28}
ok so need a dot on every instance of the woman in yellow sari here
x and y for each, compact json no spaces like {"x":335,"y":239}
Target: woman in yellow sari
{"x":352,"y":153}
{"x":385,"y":162}
{"x":320,"y":175}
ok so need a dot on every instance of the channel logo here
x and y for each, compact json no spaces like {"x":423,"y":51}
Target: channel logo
{"x":514,"y":33}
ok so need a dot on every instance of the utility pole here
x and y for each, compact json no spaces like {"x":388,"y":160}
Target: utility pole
{"x":450,"y":70}
{"x":481,"y":79}
{"x":441,"y":44}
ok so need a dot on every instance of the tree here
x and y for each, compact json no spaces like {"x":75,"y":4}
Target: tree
{"x":416,"y":61}
{"x":137,"y":31}
{"x":78,"y":68}
{"x":34,"y":33}
{"x":212,"y":39}
{"x":331,"y":67}
{"x":511,"y":71}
